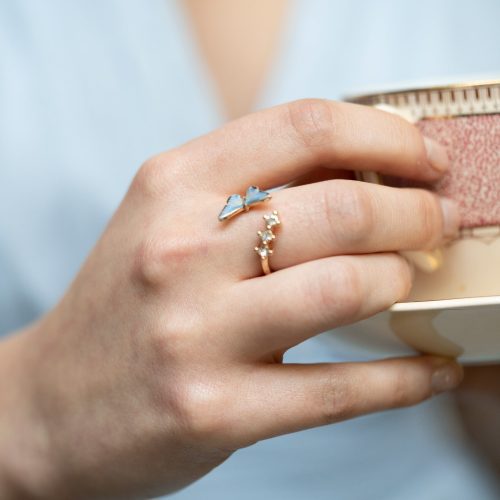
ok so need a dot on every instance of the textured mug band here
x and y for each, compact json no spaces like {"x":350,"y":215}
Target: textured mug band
{"x":465,"y":118}
{"x":473,"y":145}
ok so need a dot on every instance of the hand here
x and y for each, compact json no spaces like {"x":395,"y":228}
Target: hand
{"x":165,"y":355}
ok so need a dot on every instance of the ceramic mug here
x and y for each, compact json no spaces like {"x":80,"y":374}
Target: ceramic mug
{"x":454,"y":306}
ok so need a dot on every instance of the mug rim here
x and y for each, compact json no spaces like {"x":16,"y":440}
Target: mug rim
{"x":423,"y":87}
{"x":441,"y":304}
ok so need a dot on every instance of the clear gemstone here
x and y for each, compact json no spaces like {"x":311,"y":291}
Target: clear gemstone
{"x":266,"y":236}
{"x":264,"y":252}
{"x":272,"y":219}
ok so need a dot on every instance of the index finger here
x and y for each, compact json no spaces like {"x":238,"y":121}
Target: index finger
{"x":275,"y":146}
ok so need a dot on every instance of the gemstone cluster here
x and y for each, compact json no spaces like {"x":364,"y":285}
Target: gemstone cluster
{"x":264,"y":250}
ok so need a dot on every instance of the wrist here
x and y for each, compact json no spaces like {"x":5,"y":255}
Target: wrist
{"x":26,"y":465}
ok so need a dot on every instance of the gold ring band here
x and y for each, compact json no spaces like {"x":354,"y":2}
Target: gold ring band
{"x":267,"y":237}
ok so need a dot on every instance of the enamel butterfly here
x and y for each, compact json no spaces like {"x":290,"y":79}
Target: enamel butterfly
{"x":236,"y":203}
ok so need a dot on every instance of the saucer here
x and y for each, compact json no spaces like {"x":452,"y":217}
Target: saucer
{"x":465,"y":328}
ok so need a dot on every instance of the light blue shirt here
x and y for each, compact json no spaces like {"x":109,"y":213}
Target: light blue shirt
{"x":91,"y":88}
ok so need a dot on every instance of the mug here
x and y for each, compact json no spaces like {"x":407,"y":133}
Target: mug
{"x":454,"y":306}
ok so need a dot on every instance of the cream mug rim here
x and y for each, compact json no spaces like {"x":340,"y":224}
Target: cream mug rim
{"x":408,"y":87}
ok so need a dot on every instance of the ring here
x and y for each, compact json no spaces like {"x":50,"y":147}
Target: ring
{"x":267,"y":237}
{"x":236,"y":203}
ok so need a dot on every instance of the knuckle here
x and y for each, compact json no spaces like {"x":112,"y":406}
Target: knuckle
{"x":202,"y":410}
{"x":339,"y":293}
{"x":157,"y":258}
{"x":405,"y":134}
{"x":158,"y":173}
{"x":338,"y":401}
{"x":149,"y":178}
{"x":311,"y":121}
{"x":400,"y":393}
{"x":199,"y":405}
{"x":173,"y":342}
{"x":430,"y":230}
{"x":165,"y":351}
{"x":351,"y":213}
{"x":409,"y":143}
{"x":328,"y":208}
{"x":404,"y":276}
{"x":350,"y":291}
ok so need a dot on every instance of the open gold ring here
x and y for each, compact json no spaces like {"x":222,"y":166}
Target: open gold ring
{"x":267,"y":237}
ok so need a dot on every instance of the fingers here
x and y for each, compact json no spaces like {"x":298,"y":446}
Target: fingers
{"x":277,"y":145}
{"x":286,"y":307}
{"x":289,"y":398}
{"x":343,"y":217}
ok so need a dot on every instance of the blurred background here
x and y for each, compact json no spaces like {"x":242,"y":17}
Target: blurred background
{"x":91,"y":88}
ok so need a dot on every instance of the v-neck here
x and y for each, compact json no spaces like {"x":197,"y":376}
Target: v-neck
{"x":204,"y":79}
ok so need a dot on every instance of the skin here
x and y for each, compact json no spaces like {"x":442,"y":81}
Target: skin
{"x":238,"y":60}
{"x":239,"y":63}
{"x":165,"y":355}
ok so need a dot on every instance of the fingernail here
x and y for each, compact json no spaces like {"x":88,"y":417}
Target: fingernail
{"x":437,"y":155}
{"x":451,"y":217}
{"x":446,"y":377}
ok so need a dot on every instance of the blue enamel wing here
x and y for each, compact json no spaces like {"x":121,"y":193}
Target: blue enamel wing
{"x":236,"y":203}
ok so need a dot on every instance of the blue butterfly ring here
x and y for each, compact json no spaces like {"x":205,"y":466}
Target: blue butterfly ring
{"x":236,"y":203}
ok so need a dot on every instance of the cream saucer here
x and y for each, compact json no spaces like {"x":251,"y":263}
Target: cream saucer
{"x":467,"y":328}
